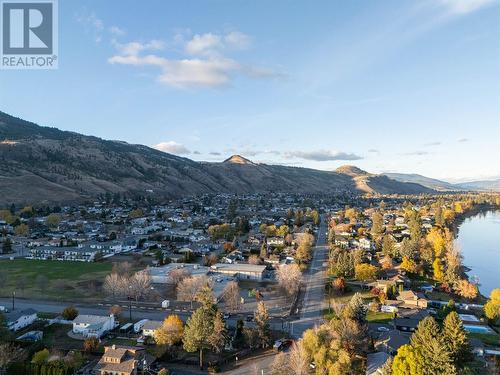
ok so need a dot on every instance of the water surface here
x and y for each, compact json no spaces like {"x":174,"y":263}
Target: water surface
{"x":479,"y":241}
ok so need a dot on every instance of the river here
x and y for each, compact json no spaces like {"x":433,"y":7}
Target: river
{"x":479,"y":240}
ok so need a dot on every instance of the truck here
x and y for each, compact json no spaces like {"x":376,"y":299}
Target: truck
{"x":138,"y":326}
{"x":165,"y":304}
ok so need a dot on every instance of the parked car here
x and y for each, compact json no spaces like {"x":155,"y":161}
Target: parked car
{"x":282,"y":344}
{"x":383,"y":329}
{"x":249,"y":318}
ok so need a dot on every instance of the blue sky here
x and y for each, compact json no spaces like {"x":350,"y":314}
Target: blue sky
{"x":390,"y":86}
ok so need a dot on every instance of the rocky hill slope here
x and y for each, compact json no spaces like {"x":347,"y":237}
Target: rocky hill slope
{"x":41,"y":164}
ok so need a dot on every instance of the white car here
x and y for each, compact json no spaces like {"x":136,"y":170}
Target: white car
{"x":383,"y":329}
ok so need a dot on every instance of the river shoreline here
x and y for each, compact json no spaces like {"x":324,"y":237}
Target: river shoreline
{"x":468,"y":269}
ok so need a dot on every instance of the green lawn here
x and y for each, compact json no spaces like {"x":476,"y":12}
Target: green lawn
{"x":65,"y":280}
{"x":379,"y":317}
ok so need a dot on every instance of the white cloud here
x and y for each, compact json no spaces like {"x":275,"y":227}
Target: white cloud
{"x":172,"y":147}
{"x":465,"y":6}
{"x":322,"y":155}
{"x":210,"y":68}
{"x":134,"y":48}
{"x":238,"y":40}
{"x":204,"y":44}
{"x":117,"y":31}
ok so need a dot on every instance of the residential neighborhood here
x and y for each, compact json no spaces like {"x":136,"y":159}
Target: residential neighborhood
{"x":251,"y":261}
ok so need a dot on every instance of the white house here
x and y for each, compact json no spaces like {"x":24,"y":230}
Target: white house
{"x":149,"y":328}
{"x":19,"y":319}
{"x":93,"y":325}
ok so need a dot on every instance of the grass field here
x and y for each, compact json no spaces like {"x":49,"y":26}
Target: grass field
{"x":379,"y":317}
{"x":54,"y":280}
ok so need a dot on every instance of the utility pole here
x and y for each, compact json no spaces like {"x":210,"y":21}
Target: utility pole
{"x":130,"y":302}
{"x":13,"y":299}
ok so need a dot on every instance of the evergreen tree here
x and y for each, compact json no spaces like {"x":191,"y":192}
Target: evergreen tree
{"x":199,"y":327}
{"x":262,"y":323}
{"x":219,"y":336}
{"x":198,"y":332}
{"x":429,"y":341}
{"x":388,"y":247}
{"x":356,"y":309}
{"x":456,"y":339}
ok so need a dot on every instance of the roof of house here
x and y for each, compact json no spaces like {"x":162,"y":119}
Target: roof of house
{"x":91,"y":319}
{"x":374,"y":361}
{"x":152,"y":324}
{"x":392,"y":340}
{"x":238,"y":267}
{"x":16,"y":314}
{"x":126,"y":356}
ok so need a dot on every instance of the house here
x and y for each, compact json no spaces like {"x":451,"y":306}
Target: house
{"x":275,"y":241}
{"x":383,"y":285}
{"x":241,"y":271}
{"x":412,"y":299}
{"x":390,"y":342}
{"x":408,"y":319}
{"x":149,"y":328}
{"x":122,"y":360}
{"x":375,"y":361}
{"x":93,"y":325}
{"x":19,"y":319}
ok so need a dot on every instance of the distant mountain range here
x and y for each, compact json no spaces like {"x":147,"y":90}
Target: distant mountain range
{"x":432,"y":183}
{"x":46,"y":165}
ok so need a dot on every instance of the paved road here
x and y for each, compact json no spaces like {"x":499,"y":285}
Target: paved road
{"x":314,"y":281}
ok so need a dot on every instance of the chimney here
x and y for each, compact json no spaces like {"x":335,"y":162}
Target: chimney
{"x":113,"y":347}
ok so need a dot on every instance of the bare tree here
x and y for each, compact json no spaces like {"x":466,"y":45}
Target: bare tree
{"x":210,"y":260}
{"x":288,"y":277}
{"x":231,"y":296}
{"x":298,"y":359}
{"x":116,"y":310}
{"x":188,"y":289}
{"x":122,"y":268}
{"x":115,"y":285}
{"x":254,"y":259}
{"x":177,"y":275}
{"x":280,"y":364}
{"x":140,"y":284}
{"x":9,"y":353}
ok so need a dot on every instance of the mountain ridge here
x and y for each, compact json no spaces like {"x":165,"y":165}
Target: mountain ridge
{"x":44,"y":164}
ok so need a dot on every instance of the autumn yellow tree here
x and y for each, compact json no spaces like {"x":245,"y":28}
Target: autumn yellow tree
{"x":492,"y":307}
{"x":409,"y":265}
{"x":437,"y":268}
{"x":466,"y":289}
{"x":437,"y":240}
{"x":365,"y":272}
{"x":170,"y":332}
